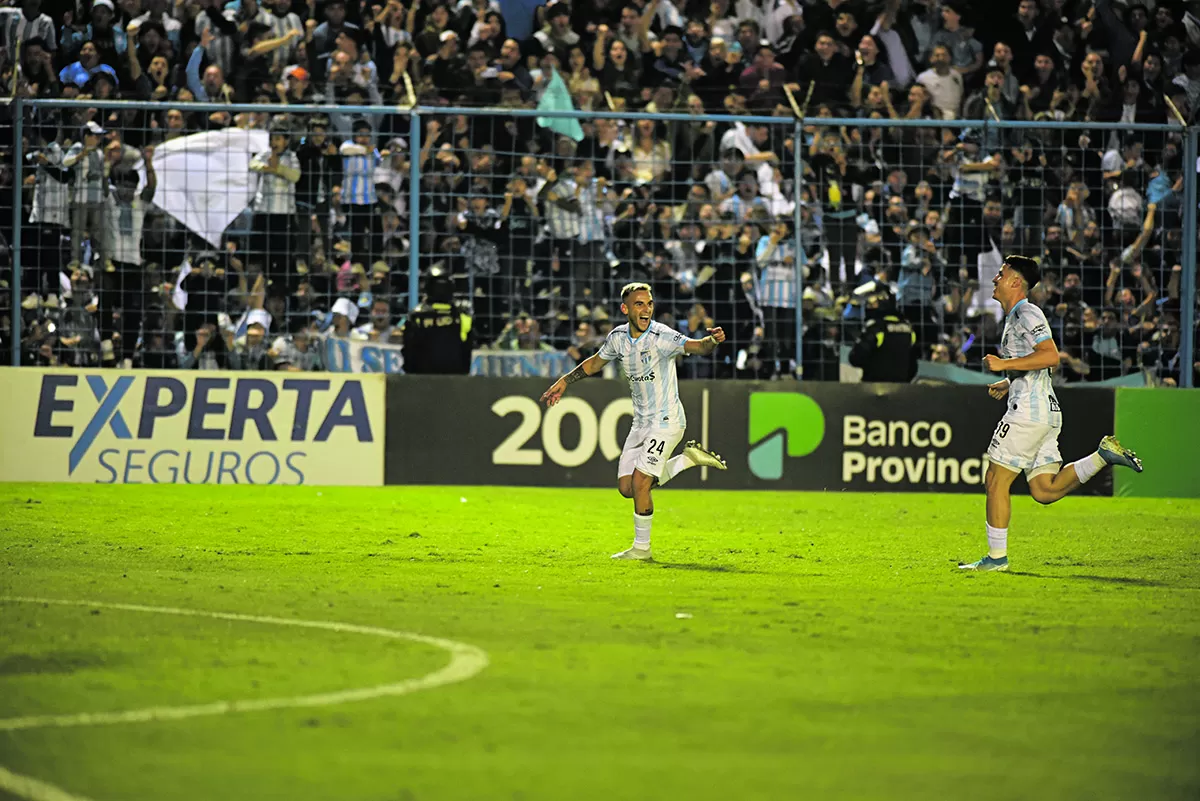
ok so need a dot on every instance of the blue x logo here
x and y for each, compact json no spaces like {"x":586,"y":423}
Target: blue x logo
{"x":106,"y":415}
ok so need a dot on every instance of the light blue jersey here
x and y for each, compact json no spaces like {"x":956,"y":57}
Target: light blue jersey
{"x":648,"y":363}
{"x":1030,"y":393}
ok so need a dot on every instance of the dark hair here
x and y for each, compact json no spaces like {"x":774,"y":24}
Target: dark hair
{"x":255,"y":30}
{"x":152,"y":25}
{"x":126,"y":177}
{"x":1027,"y":268}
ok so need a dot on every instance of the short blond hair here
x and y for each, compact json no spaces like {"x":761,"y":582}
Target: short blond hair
{"x":636,"y":286}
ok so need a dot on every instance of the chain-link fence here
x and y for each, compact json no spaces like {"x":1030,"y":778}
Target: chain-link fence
{"x":237,"y":236}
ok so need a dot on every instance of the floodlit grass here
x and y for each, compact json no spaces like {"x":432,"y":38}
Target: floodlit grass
{"x":832,"y":649}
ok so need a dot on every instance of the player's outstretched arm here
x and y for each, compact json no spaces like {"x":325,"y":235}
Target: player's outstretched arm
{"x":589,"y":366}
{"x":706,"y":345}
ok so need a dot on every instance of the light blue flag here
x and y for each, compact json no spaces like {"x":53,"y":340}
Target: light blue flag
{"x":558,"y":98}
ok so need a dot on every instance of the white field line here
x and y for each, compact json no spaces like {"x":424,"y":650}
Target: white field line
{"x":465,"y":661}
{"x":34,"y":790}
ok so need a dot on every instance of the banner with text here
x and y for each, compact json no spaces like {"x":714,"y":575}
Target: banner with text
{"x":362,"y":356}
{"x":176,"y":427}
{"x":815,"y":436}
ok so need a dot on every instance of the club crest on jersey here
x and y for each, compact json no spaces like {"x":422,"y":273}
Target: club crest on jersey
{"x":646,"y":356}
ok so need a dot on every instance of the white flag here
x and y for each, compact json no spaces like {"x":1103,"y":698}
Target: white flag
{"x":204,"y":180}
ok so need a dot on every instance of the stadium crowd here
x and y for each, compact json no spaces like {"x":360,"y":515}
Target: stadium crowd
{"x":542,"y":223}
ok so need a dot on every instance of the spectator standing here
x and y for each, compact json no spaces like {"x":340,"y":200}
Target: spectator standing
{"x":324,"y":36}
{"x":917,"y":284}
{"x":826,"y":71}
{"x":320,"y":172}
{"x":49,"y":218}
{"x":360,"y":159}
{"x":123,"y":290}
{"x":776,"y":280}
{"x":88,"y":64}
{"x":379,"y":327}
{"x":24,"y":23}
{"x":282,"y":21}
{"x":966,"y":53}
{"x":90,"y":185}
{"x":943,"y":82}
{"x":274,"y":205}
{"x":832,"y":187}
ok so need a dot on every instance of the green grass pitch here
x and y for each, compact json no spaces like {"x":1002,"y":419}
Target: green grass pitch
{"x":783,"y":646}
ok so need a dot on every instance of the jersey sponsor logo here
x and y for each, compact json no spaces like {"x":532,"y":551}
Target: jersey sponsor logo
{"x":642,"y":378}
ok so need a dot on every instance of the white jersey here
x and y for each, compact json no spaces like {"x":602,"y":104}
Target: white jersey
{"x":1030,"y":393}
{"x":648,"y":363}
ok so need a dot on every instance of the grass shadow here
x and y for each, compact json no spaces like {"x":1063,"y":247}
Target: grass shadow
{"x":61,"y":662}
{"x":1123,"y":580}
{"x":699,"y":567}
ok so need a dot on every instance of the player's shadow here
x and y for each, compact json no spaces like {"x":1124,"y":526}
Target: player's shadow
{"x":1123,"y":580}
{"x":700,"y":567}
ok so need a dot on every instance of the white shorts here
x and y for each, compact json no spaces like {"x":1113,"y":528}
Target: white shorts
{"x":1024,"y":445}
{"x":647,"y":449}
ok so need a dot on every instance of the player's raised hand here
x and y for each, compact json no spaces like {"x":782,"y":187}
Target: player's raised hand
{"x":718,"y":334}
{"x":993,"y":362}
{"x":555,"y":393}
{"x":998,"y":390}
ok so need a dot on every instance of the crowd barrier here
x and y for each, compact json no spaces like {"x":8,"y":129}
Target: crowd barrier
{"x":482,"y":203}
{"x":128,"y":427}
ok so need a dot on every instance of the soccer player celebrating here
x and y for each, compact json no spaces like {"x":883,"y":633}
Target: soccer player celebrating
{"x":647,"y":351}
{"x":1027,"y":437}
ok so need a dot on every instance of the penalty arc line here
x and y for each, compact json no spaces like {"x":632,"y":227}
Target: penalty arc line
{"x":466,"y":661}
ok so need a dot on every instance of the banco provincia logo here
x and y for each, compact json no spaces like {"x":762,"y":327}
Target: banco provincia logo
{"x":782,"y":423}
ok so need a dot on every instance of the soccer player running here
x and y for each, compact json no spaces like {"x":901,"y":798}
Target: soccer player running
{"x":1027,"y":437}
{"x":647,"y":351}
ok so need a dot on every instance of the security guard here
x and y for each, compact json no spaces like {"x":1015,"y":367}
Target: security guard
{"x":887,"y":348}
{"x":437,"y":335}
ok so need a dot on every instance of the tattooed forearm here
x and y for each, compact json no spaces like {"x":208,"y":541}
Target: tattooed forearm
{"x":578,"y":374}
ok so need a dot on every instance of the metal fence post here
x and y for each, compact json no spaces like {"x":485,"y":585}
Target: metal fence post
{"x":17,"y":215}
{"x":801,"y":259}
{"x":414,"y":208}
{"x":1187,"y":288}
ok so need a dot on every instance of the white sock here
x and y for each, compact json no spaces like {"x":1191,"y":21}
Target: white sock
{"x":641,"y":530}
{"x":1087,"y":467}
{"x":674,"y":466}
{"x":997,"y":542}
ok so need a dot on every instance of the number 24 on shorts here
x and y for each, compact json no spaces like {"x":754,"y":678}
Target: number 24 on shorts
{"x":656,"y":442}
